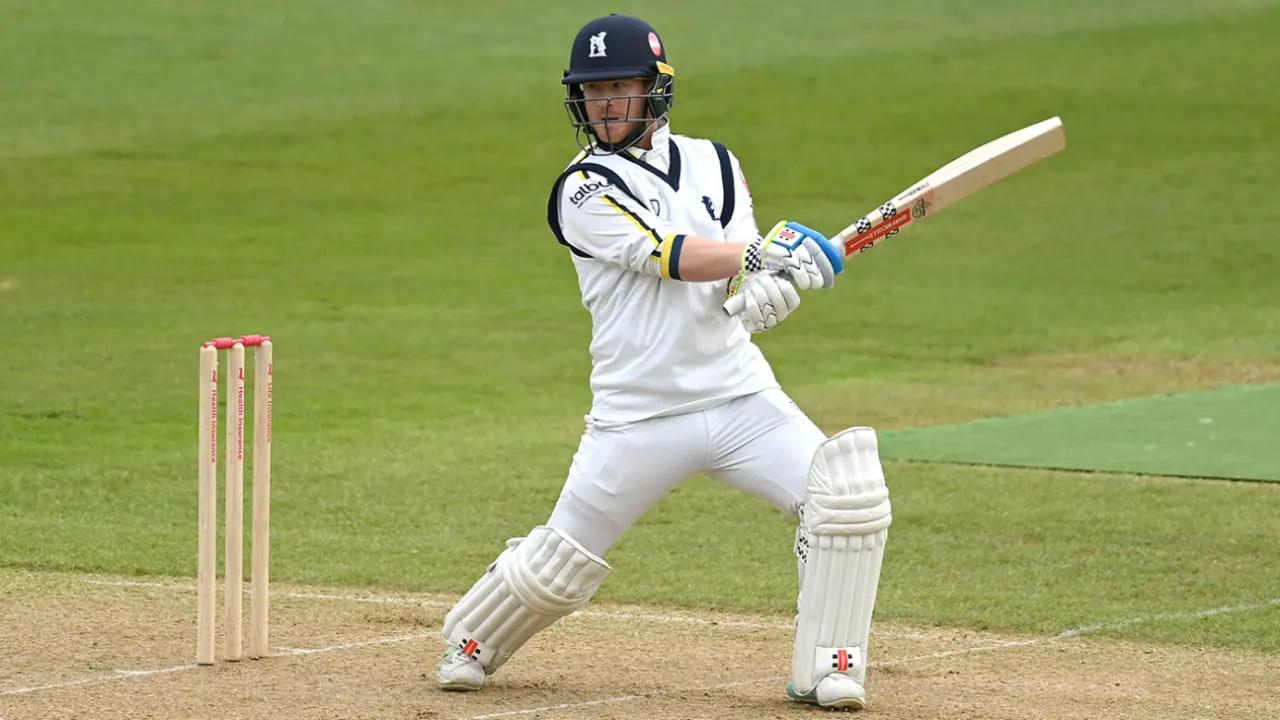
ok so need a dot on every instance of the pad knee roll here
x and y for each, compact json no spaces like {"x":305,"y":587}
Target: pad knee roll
{"x":844,"y":525}
{"x":534,"y":582}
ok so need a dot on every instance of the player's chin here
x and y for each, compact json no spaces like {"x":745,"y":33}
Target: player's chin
{"x":614,"y":133}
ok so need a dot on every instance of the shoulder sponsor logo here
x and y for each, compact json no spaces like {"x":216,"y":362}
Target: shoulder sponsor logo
{"x":587,"y":190}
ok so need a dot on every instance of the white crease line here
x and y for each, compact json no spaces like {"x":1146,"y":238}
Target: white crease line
{"x":116,"y":675}
{"x":415,"y":601}
{"x":159,"y":671}
{"x":749,"y":624}
{"x":129,"y":674}
{"x":964,"y":651}
{"x":1194,"y":615}
{"x":682,"y":620}
{"x":362,"y":643}
{"x":621,"y":698}
{"x":562,"y":706}
{"x":54,"y":686}
{"x":771,"y":678}
{"x":1064,"y":635}
{"x":375,"y":599}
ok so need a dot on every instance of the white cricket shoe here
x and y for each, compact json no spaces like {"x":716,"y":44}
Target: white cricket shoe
{"x":836,"y":691}
{"x":459,"y":672}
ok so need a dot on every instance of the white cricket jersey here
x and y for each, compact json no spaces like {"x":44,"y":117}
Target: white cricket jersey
{"x":659,"y":345}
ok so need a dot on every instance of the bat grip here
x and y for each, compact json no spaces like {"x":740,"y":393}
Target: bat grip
{"x":734,"y":305}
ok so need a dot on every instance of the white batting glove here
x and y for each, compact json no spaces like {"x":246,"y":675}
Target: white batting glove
{"x":762,"y":300}
{"x":804,"y":254}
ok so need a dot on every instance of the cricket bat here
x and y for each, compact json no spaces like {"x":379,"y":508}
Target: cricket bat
{"x":947,"y":185}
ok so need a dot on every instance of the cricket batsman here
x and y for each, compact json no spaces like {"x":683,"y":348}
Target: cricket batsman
{"x":661,"y":231}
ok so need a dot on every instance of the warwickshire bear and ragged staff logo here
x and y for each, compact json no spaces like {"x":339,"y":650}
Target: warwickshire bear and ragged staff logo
{"x":597,"y":45}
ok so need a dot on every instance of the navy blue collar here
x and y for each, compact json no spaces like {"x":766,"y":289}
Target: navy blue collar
{"x":671,"y":176}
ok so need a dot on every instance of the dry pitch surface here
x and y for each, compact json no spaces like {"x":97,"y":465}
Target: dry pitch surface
{"x":83,"y":647}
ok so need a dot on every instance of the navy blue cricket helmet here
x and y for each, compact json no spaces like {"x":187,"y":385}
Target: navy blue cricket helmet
{"x":617,"y":47}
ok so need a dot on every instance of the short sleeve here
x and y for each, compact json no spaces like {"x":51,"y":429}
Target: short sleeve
{"x":601,"y":220}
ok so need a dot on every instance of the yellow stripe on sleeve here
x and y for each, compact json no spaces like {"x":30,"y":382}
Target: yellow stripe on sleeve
{"x":653,"y":236}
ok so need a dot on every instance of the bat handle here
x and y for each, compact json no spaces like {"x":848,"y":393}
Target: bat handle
{"x":734,"y":305}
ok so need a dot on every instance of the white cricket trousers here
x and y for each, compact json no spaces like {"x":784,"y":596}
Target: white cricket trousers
{"x":760,"y":443}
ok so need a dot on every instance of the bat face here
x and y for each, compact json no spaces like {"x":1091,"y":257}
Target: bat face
{"x":954,"y":181}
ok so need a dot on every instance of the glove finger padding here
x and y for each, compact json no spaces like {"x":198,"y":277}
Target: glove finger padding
{"x":763,"y":301}
{"x":826,"y":275}
{"x":771,"y":302}
{"x":802,"y":268}
{"x":790,"y":297}
{"x":760,"y":311}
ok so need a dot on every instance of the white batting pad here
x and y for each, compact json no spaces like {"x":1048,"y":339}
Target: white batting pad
{"x":840,"y":545}
{"x":534,"y":582}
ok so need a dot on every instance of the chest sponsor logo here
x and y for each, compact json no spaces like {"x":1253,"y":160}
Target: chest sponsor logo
{"x":588,"y":190}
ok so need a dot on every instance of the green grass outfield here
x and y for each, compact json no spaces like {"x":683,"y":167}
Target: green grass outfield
{"x":367,"y":183}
